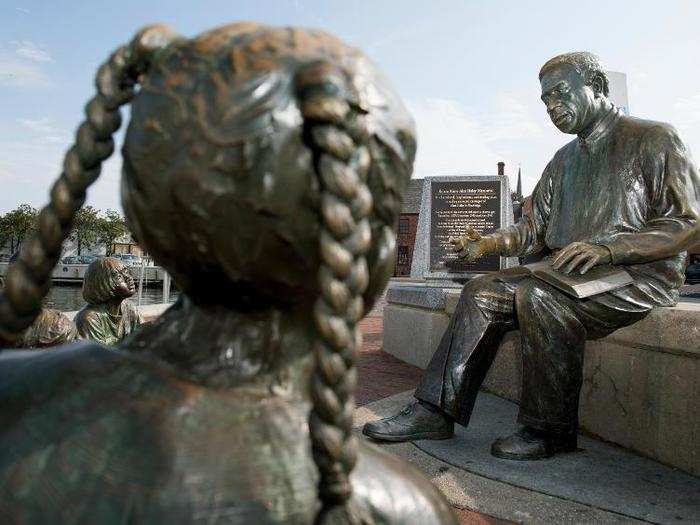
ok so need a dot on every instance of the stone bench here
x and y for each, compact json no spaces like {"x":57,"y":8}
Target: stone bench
{"x":641,"y":384}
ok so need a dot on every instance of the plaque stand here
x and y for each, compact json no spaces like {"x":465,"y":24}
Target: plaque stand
{"x":420,"y":266}
{"x":428,"y":289}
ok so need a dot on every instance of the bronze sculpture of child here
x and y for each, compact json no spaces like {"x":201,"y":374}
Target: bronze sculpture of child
{"x":255,"y":158}
{"x":51,"y":328}
{"x":109,"y":316}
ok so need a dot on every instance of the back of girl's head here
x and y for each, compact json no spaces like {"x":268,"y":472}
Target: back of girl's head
{"x":220,"y":181}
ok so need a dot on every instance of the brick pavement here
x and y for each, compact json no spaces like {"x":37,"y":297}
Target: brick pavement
{"x":381,"y":375}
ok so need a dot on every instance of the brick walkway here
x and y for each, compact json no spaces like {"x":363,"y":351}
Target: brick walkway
{"x":382,"y":375}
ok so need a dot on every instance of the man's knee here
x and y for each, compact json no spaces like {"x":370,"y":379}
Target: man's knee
{"x":475,"y":285}
{"x":547,"y":310}
{"x":478,"y":287}
{"x":533,"y":294}
{"x":489,"y":295}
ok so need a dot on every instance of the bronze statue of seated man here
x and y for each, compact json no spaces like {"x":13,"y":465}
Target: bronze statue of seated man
{"x":109,"y":316}
{"x":623,"y":192}
{"x":264,"y":169}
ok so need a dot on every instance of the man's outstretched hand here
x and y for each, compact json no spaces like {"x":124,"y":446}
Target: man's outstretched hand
{"x":581,"y":255}
{"x":471,"y":246}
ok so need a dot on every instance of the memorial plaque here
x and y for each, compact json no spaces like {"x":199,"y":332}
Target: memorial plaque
{"x":450,"y":204}
{"x":454,"y":206}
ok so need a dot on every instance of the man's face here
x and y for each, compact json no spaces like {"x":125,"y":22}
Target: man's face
{"x":570,"y":102}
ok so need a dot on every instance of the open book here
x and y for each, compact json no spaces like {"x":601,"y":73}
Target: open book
{"x":597,"y":280}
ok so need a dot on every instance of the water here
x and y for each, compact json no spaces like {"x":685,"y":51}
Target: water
{"x":68,"y":298}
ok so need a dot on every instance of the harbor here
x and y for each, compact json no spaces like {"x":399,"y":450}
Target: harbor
{"x":153,"y":285}
{"x":75,"y":273}
{"x":69,"y":297}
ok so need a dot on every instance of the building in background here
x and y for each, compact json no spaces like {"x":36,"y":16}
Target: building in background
{"x":407,"y":227}
{"x":126,"y":244}
{"x":618,"y":90}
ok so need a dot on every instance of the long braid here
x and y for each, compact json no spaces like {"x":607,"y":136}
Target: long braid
{"x":29,"y":278}
{"x":334,"y":133}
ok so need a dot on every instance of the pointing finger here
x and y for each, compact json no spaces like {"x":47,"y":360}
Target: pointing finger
{"x":472,"y":234}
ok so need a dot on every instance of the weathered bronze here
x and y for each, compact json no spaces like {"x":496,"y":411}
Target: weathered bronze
{"x":51,"y":328}
{"x":264,"y":169}
{"x":624,"y":192}
{"x":108,"y":316}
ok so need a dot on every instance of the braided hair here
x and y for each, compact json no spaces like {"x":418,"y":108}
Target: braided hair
{"x":334,"y":133}
{"x":29,"y":277}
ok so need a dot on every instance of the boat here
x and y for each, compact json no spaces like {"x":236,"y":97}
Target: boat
{"x":74,"y":273}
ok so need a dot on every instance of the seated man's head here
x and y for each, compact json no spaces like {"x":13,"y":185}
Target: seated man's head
{"x":107,"y":279}
{"x":574,"y":89}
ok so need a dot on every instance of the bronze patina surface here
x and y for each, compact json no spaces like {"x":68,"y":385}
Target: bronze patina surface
{"x":624,"y":192}
{"x":51,"y":328}
{"x":264,"y":169}
{"x":108,"y":316}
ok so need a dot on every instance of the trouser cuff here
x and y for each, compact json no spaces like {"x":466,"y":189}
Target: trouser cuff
{"x":548,"y":426}
{"x":435,"y":408}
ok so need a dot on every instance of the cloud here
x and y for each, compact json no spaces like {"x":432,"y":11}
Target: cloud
{"x":687,"y":111}
{"x":30,"y":51}
{"x":40,"y":125}
{"x":21,"y":64}
{"x":32,"y":159}
{"x":17,"y":73}
{"x":22,"y":10}
{"x":45,"y":130}
{"x":456,"y":139}
{"x":450,"y":139}
{"x":510,"y":119}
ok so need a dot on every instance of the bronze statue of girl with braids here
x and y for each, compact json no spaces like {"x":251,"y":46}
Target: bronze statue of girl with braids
{"x":264,"y":169}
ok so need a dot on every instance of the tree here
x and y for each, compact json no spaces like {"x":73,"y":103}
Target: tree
{"x":16,"y":224}
{"x":85,"y":228}
{"x":109,"y":228}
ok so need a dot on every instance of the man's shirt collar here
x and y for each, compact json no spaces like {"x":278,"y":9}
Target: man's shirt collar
{"x":600,"y":131}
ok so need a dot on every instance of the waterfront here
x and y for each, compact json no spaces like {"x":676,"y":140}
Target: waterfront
{"x":70,"y":297}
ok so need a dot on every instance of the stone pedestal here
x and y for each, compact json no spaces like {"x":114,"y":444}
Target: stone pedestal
{"x":641,"y":384}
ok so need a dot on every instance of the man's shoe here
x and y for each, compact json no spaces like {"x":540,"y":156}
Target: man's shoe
{"x":414,"y":422}
{"x":528,"y":444}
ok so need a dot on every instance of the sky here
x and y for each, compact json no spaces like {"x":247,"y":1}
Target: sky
{"x":467,"y":70}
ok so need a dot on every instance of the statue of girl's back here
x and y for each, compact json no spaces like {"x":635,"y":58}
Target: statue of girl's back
{"x":263,"y":168}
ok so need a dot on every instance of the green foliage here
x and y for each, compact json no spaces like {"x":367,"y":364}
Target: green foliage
{"x":16,"y":224}
{"x":90,"y":228}
{"x":85,"y":227}
{"x":110,"y":227}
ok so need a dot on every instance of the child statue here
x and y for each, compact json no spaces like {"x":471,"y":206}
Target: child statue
{"x":108,"y":316}
{"x":51,"y":328}
{"x":264,"y":169}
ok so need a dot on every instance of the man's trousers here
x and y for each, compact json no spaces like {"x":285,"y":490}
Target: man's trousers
{"x":553,"y":328}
